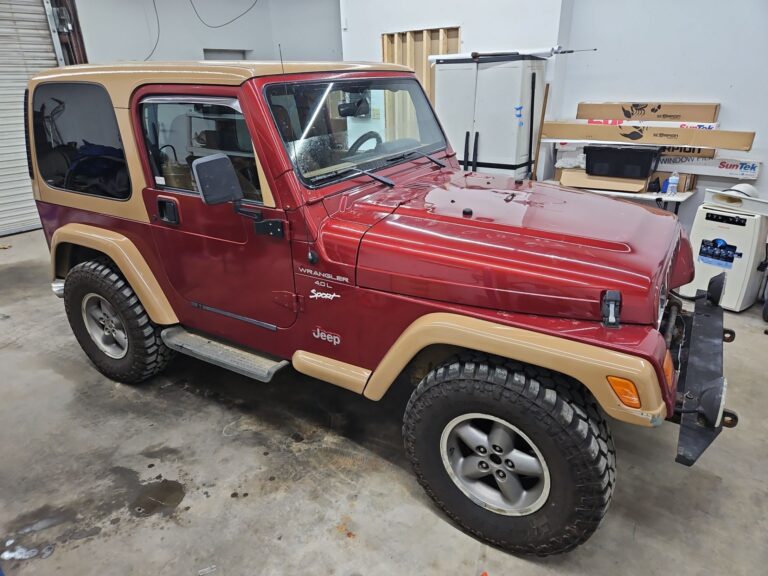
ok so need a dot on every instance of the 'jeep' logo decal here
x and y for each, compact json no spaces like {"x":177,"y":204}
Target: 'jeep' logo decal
{"x":321,"y":334}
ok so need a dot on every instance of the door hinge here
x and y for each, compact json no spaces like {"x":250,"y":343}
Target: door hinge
{"x":290,"y":300}
{"x":268,"y":227}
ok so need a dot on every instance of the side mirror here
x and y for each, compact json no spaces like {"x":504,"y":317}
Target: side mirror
{"x":216,"y":179}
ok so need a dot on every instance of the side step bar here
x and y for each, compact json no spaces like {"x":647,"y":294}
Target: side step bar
{"x":249,"y":364}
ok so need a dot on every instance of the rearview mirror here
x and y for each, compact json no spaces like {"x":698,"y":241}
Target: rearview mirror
{"x":216,"y":179}
{"x":359,"y":108}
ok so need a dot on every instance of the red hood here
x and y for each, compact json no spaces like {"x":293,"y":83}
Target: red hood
{"x":534,"y":248}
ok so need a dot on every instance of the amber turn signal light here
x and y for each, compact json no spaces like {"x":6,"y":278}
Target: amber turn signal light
{"x":669,"y":370}
{"x":625,"y":390}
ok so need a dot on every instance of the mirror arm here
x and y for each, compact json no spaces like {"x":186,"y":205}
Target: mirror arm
{"x":237,"y":206}
{"x":274,"y":228}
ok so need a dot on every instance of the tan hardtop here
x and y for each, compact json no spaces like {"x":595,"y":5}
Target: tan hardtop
{"x":121,"y":80}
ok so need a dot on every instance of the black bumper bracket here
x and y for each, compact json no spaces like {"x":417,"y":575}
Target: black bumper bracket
{"x":702,"y":386}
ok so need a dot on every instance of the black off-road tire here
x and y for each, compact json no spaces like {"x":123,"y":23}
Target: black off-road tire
{"x":147,"y":355}
{"x":561,"y":418}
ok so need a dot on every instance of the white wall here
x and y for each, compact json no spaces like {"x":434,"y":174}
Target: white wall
{"x":686,"y":50}
{"x":486,"y":25}
{"x":116,"y":30}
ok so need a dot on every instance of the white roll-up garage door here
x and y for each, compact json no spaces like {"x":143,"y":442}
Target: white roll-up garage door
{"x":26,"y":46}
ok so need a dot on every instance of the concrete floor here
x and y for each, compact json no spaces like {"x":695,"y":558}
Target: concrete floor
{"x":201,"y":471}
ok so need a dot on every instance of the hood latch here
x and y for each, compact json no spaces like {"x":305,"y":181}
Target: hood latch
{"x":611,"y":308}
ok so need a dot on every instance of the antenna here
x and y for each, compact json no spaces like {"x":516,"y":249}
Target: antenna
{"x":280,"y":51}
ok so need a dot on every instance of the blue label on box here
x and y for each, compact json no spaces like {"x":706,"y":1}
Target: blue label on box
{"x":718,"y":252}
{"x":715,"y":262}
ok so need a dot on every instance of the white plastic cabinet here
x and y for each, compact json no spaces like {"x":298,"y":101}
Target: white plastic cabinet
{"x":490,"y":108}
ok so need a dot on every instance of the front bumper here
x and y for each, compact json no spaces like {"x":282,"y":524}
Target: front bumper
{"x":701,"y":387}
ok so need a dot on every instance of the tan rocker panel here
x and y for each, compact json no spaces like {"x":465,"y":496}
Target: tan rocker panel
{"x":329,"y":370}
{"x":127,"y":257}
{"x":588,"y":364}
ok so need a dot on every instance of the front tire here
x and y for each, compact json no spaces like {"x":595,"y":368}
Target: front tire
{"x":111,"y":325}
{"x":517,"y":456}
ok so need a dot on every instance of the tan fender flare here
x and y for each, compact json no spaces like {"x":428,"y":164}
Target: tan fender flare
{"x":129,"y":260}
{"x":586,"y":363}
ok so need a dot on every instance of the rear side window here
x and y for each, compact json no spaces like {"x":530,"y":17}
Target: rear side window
{"x":77,"y":141}
{"x":178,"y":130}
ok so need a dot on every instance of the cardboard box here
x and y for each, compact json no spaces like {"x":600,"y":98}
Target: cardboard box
{"x":723,"y":167}
{"x":653,"y":123}
{"x":687,"y":152}
{"x":580,"y":179}
{"x":578,"y":147}
{"x":632,"y":134}
{"x":670,"y":111}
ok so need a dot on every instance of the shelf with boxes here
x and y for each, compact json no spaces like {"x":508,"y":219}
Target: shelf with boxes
{"x":634,"y":148}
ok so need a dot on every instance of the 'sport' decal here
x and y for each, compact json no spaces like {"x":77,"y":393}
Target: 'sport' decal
{"x":315,"y":295}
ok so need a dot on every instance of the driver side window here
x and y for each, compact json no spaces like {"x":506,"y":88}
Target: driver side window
{"x":178,"y":131}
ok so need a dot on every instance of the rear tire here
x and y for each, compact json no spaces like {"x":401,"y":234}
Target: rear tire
{"x":549,"y":418}
{"x":111,"y":325}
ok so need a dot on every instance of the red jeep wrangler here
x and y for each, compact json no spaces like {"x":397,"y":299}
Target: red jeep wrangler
{"x":253,"y":215}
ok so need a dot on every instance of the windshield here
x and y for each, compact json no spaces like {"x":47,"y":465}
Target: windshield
{"x":333,"y":129}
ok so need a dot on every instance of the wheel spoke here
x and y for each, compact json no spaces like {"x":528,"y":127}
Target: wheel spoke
{"x":510,"y":488}
{"x":501,"y":436}
{"x":471,"y":436}
{"x":95,"y":313}
{"x":120,"y":338}
{"x":525,"y":463}
{"x":106,"y":307}
{"x":469,"y":468}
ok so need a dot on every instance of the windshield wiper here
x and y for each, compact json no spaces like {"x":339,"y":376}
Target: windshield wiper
{"x":417,"y":153}
{"x":382,"y":179}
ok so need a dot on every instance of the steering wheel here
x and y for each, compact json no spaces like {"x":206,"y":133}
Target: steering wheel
{"x":372,"y":135}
